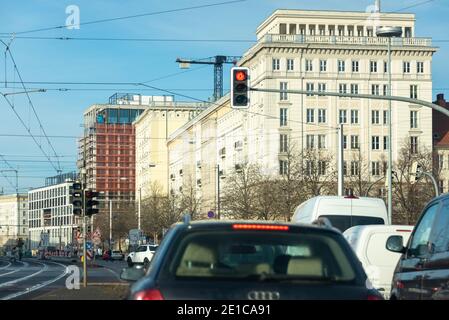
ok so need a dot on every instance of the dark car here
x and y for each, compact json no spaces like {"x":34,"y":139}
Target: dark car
{"x":252,"y":260}
{"x":423,"y":269}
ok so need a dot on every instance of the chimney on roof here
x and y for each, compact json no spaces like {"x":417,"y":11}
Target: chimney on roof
{"x":440,"y":97}
{"x":377,"y":6}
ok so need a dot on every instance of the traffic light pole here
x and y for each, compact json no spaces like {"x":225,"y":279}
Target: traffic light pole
{"x":84,"y":183}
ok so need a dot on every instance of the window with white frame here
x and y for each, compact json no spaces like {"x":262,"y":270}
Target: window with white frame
{"x":321,"y":115}
{"x":354,"y":168}
{"x":283,"y":167}
{"x":310,"y":143}
{"x":341,"y":66}
{"x":354,"y":116}
{"x":385,"y":66}
{"x":385,"y":142}
{"x":406,"y":67}
{"x":420,"y":67}
{"x":321,"y":87}
{"x":375,"y":143}
{"x":354,"y":88}
{"x":342,"y":116}
{"x":283,"y":140}
{"x":413,"y":91}
{"x":309,"y":167}
{"x":345,"y":142}
{"x":321,"y":141}
{"x":385,"y":117}
{"x":342,"y":88}
{"x":323,"y":65}
{"x":355,"y":66}
{"x":413,"y":119}
{"x":283,"y":117}
{"x":290,"y":65}
{"x":322,"y":167}
{"x":413,"y":145}
{"x":375,"y":168}
{"x":309,"y":65}
{"x":309,"y":87}
{"x":310,"y":115}
{"x":375,"y":116}
{"x":385,"y":90}
{"x":355,"y":142}
{"x":373,"y":66}
{"x":283,"y":87}
{"x":375,"y":89}
{"x":276,"y":64}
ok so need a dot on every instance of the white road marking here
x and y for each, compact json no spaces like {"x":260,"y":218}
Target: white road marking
{"x":15,"y":270}
{"x":4,"y":284}
{"x":38,"y":286}
{"x":9,"y":263}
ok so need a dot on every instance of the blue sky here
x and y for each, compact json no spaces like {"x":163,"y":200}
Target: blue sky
{"x":107,"y":61}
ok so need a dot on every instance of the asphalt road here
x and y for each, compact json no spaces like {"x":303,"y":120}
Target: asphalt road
{"x":31,"y":277}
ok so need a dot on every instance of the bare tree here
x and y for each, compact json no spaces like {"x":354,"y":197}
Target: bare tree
{"x":410,"y":196}
{"x":318,"y":175}
{"x":190,"y":201}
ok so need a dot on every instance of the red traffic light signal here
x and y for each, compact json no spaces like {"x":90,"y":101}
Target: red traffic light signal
{"x":239,"y":87}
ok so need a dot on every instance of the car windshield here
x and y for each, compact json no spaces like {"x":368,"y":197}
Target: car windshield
{"x":261,"y":255}
{"x":343,"y":223}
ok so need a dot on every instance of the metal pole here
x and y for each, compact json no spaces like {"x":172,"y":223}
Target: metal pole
{"x":434,"y":181}
{"x":390,"y":140}
{"x":340,"y":160}
{"x":218,"y":191}
{"x":110,"y":223}
{"x":83,"y":184}
{"x":138,"y":212}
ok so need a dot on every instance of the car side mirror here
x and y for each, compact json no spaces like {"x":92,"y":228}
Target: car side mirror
{"x":395,"y":244}
{"x":133,"y":273}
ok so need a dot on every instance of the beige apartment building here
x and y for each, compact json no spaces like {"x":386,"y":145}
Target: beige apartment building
{"x":152,"y":129}
{"x":316,"y":51}
{"x":13,"y":220}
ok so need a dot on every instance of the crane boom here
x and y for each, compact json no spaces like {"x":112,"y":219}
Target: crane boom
{"x":218,"y":62}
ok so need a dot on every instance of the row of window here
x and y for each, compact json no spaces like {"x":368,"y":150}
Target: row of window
{"x":342,"y":66}
{"x":40,"y":204}
{"x":50,"y":193}
{"x":343,"y":88}
{"x":332,"y":30}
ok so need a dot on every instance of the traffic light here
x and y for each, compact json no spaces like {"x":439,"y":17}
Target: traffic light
{"x":239,"y":87}
{"x":91,"y":202}
{"x":77,"y":198}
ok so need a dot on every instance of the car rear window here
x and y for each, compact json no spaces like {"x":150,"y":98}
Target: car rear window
{"x":345,"y":222}
{"x":248,"y":255}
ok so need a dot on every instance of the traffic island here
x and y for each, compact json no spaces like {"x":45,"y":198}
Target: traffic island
{"x":94,"y":291}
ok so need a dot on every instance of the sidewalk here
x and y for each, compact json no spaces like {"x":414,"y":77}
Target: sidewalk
{"x":94,"y":291}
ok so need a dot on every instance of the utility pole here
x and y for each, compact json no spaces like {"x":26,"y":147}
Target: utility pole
{"x":138,"y":209}
{"x":340,"y":160}
{"x":83,"y":187}
{"x":110,"y":224}
{"x":218,"y":192}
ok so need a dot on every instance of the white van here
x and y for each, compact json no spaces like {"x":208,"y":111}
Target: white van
{"x":369,"y":244}
{"x":342,"y":212}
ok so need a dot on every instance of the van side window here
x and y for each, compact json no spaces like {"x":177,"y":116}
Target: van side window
{"x":440,"y":236}
{"x":420,"y":242}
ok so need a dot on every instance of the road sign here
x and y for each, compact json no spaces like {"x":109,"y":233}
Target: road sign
{"x":89,"y":254}
{"x":89,"y":245}
{"x":210,"y":214}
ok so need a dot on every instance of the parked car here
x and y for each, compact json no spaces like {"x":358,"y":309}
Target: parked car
{"x":251,"y":260}
{"x":342,"y":212}
{"x":143,"y":254}
{"x":423,"y":269}
{"x":368,"y":242}
{"x":117,"y":255}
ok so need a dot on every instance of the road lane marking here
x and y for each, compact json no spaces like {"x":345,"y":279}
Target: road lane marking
{"x":9,"y":263}
{"x":15,"y":270}
{"x":38,"y":286}
{"x":4,"y":284}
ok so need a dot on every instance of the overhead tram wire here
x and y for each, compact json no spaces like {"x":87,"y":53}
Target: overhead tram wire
{"x":33,"y":108}
{"x":127,"y":17}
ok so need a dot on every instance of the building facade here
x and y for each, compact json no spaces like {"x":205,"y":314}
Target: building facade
{"x":13,"y":220}
{"x":152,"y":129}
{"x":50,"y":211}
{"x":441,"y":144}
{"x":316,"y":51}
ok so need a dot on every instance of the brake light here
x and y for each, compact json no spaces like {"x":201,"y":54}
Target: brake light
{"x":373,"y":297}
{"x":351,"y":197}
{"x":268,"y":227}
{"x":403,"y":230}
{"x":400,"y":285}
{"x":152,"y":294}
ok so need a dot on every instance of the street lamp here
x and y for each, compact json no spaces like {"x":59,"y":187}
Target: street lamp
{"x":389,"y":32}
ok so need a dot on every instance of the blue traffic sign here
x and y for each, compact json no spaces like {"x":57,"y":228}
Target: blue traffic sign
{"x":89,"y":245}
{"x":210,"y":214}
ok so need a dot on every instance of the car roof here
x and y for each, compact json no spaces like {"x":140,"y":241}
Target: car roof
{"x":227,"y":224}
